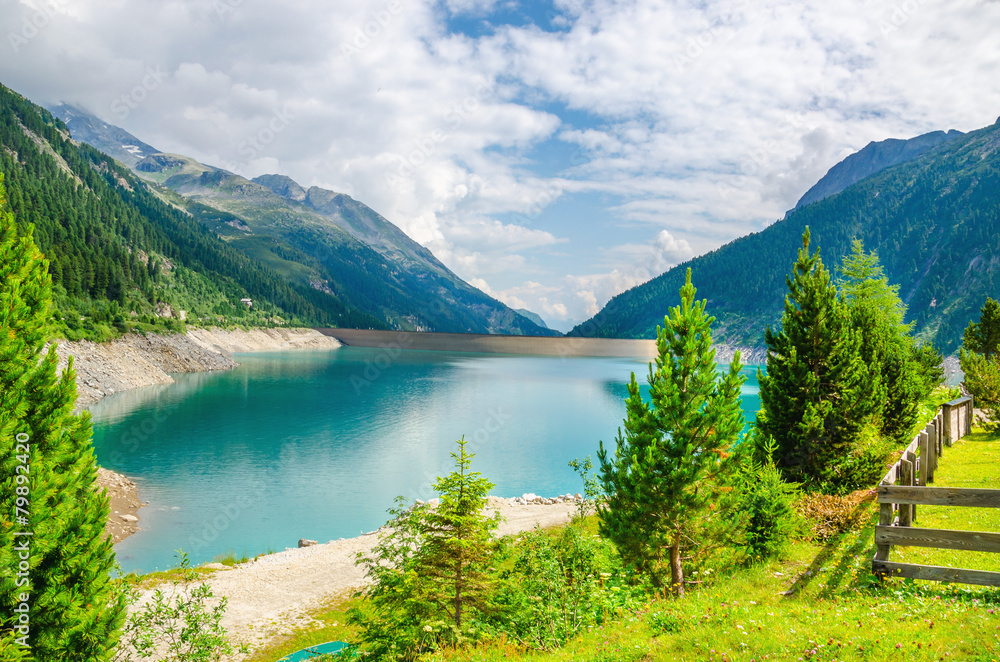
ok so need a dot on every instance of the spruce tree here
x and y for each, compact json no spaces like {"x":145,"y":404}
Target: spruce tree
{"x":899,"y":374}
{"x":73,"y":611}
{"x":983,"y":337}
{"x":431,"y":571}
{"x":980,"y":360}
{"x":814,"y":399}
{"x":662,"y":482}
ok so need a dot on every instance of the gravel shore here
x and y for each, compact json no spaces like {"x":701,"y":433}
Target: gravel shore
{"x":274,"y":594}
{"x":123,"y":520}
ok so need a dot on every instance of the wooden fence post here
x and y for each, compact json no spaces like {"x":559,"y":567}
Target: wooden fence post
{"x":884,"y":519}
{"x":925,"y":458}
{"x":932,"y":447}
{"x":972,"y":412}
{"x":937,"y":434}
{"x":905,"y":478}
{"x":911,"y":457}
{"x":949,"y":430}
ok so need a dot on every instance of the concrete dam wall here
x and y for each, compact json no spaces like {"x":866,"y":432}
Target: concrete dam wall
{"x":490,"y":344}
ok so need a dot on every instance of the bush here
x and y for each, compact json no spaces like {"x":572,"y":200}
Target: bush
{"x":180,"y":625}
{"x":551,"y":588}
{"x":831,"y":515}
{"x":864,"y":466}
{"x":765,"y":503}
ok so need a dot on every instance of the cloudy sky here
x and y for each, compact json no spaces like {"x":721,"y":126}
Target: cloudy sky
{"x":553,"y":153}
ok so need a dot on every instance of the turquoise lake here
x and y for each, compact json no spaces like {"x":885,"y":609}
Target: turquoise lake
{"x":317,"y":444}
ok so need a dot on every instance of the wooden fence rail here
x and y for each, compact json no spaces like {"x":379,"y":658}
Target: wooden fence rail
{"x":898,"y":504}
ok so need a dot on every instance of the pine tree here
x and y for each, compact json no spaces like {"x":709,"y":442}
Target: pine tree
{"x":431,"y":571}
{"x":814,"y":400}
{"x":73,"y":611}
{"x":983,"y":337}
{"x":980,"y":360}
{"x":662,"y":483}
{"x":899,"y":374}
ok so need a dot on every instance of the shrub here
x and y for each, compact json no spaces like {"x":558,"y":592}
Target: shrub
{"x":176,"y":626}
{"x":830,"y":514}
{"x":765,"y":504}
{"x":863,"y":466}
{"x":551,"y":588}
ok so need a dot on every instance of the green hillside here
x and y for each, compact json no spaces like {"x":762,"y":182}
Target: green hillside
{"x":316,"y":238}
{"x":120,"y":257}
{"x":933,"y":221}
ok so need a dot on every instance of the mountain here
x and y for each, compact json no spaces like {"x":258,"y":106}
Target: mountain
{"x":932,"y":220}
{"x":317,"y":238}
{"x":873,"y":158}
{"x":113,"y":141}
{"x":534,"y":317}
{"x":120,"y":258}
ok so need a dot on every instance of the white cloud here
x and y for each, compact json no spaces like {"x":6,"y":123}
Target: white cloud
{"x":701,"y":120}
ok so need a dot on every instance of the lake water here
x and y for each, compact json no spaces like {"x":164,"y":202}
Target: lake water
{"x":318,"y":444}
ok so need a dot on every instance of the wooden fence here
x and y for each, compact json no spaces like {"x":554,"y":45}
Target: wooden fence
{"x":898,"y":504}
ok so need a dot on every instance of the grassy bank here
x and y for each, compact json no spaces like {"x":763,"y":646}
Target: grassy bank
{"x":820,"y":603}
{"x":972,"y":462}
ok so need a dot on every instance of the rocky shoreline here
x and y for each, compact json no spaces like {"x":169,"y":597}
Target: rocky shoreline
{"x":123,"y":518}
{"x":136,"y":360}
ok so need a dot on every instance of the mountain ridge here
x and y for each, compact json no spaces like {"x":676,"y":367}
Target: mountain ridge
{"x":932,"y":221}
{"x":872,"y":159}
{"x":325,"y":239}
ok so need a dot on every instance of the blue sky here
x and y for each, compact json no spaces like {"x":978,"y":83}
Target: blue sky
{"x":551,"y":153}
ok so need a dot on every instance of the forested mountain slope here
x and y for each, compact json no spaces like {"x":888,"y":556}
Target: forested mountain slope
{"x":934,"y":222}
{"x":873,"y":158}
{"x":320,"y":239}
{"x":121,"y":257}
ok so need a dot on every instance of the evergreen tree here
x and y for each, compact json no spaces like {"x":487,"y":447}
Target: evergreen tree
{"x":983,"y":337}
{"x":899,"y":374}
{"x":431,"y":571}
{"x":980,"y":360}
{"x":814,"y":399}
{"x":47,"y":477}
{"x":662,"y":481}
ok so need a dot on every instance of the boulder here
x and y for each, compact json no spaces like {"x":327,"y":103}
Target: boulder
{"x":304,"y":542}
